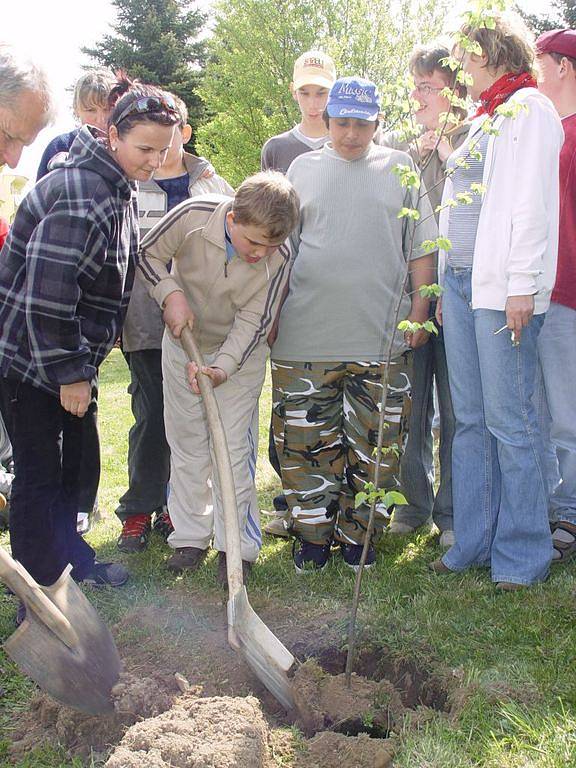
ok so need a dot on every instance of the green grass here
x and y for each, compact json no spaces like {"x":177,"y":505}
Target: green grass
{"x":515,"y":653}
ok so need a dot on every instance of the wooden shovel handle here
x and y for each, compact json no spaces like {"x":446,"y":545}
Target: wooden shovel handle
{"x":15,"y":576}
{"x":223,"y":466}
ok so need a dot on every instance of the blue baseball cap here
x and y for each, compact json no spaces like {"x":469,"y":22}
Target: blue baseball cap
{"x":354,"y":97}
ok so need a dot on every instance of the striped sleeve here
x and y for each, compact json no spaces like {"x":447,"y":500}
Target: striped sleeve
{"x":253,"y":321}
{"x":163,"y":242}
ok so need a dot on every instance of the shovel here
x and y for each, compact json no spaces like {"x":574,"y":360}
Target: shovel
{"x":247,"y":633}
{"x":62,"y":644}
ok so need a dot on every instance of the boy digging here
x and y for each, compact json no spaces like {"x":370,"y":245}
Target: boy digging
{"x":229,"y":267}
{"x":180,"y":177}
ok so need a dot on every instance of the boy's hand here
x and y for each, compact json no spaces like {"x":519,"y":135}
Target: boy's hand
{"x":216,"y":375}
{"x":177,"y":314}
{"x":75,"y":398}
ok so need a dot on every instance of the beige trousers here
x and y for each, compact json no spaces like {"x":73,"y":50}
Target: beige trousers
{"x":194,"y":499}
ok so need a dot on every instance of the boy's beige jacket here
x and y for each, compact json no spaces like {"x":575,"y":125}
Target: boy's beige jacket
{"x":233,"y":303}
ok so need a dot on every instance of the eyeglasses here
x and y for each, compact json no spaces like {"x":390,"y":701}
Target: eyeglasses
{"x":426,"y":90}
{"x":148,"y":105}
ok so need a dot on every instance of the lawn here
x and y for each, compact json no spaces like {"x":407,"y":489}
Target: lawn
{"x":504,"y":662}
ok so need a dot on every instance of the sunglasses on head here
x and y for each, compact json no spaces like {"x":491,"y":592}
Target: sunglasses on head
{"x":148,"y":105}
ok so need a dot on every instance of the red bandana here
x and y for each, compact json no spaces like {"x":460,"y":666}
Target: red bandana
{"x":499,"y":91}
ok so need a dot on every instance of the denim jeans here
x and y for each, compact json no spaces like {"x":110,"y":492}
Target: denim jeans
{"x":557,"y":404}
{"x":48,"y":448}
{"x":148,"y":450}
{"x":417,"y":464}
{"x":500,"y":500}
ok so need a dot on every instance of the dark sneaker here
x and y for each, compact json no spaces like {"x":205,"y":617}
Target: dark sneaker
{"x":135,"y":532}
{"x":279,"y":503}
{"x":106,"y":575}
{"x":222,"y":575}
{"x":162,"y":523}
{"x":186,"y":559}
{"x":310,"y":557}
{"x":352,"y":554}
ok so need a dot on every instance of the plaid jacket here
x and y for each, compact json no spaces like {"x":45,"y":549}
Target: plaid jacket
{"x":66,"y":270}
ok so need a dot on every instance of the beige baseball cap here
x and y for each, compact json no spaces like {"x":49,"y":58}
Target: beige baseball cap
{"x":313,"y":68}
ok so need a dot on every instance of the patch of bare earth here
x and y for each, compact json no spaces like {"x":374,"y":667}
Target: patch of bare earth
{"x":223,"y":713}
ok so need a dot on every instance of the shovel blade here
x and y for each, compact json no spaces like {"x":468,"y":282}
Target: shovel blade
{"x":262,"y":650}
{"x":81,"y":677}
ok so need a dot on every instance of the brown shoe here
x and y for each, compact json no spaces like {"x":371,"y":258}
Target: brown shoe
{"x":509,"y":586}
{"x":222,"y":576}
{"x":279,"y":526}
{"x":186,"y":559}
{"x":438,"y":567}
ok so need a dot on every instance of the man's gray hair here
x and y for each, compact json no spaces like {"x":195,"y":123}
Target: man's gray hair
{"x":18,"y":75}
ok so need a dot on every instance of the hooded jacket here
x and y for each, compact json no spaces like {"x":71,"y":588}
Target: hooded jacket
{"x":233,"y":302}
{"x":66,"y":270}
{"x":144,"y":326}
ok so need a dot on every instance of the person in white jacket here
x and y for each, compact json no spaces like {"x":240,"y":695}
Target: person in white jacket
{"x":498,"y":276}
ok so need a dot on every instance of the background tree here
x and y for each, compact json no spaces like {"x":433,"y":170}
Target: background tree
{"x":564,"y":15}
{"x":252,"y":52}
{"x":157,"y":42}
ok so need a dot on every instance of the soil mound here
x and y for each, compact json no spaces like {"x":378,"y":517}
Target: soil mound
{"x":134,"y":698}
{"x":328,"y":749}
{"x":218,"y":732}
{"x":324,"y":702}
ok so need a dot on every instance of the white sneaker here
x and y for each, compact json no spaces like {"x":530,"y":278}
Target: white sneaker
{"x":447,"y":539}
{"x":399,"y":528}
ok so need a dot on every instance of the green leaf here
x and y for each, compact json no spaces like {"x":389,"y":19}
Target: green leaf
{"x":444,"y":244}
{"x":464,"y":197}
{"x":430,"y":326}
{"x":360,"y":499}
{"x":433,"y":290}
{"x":409,"y":177}
{"x":477,"y":188}
{"x":411,"y":213}
{"x":464,"y":78}
{"x":407,"y":326}
{"x":392,"y":498}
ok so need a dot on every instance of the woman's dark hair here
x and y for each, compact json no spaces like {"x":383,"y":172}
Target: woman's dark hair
{"x":127,"y":92}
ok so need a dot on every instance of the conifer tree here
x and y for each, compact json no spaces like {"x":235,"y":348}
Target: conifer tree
{"x":157,"y":42}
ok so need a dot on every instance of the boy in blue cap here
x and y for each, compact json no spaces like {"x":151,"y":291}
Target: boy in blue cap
{"x":337,"y":323}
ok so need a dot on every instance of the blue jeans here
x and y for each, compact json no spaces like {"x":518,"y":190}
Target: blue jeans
{"x":557,"y":405}
{"x":417,"y":463}
{"x":500,"y":501}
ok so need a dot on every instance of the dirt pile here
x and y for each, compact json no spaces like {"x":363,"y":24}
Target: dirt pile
{"x":218,"y":732}
{"x":47,"y":720}
{"x":324,"y":702}
{"x":328,"y":749}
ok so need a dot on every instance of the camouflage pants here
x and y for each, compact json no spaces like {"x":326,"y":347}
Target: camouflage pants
{"x":325,"y":418}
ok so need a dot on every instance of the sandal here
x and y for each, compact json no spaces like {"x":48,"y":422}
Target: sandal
{"x":563,"y":541}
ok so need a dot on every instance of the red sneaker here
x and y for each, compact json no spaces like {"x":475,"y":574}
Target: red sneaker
{"x":135,"y":532}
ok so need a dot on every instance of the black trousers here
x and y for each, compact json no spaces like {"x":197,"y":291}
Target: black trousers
{"x":51,"y":450}
{"x":148,"y":450}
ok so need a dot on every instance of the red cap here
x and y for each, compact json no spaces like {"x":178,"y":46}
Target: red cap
{"x":562,"y":41}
